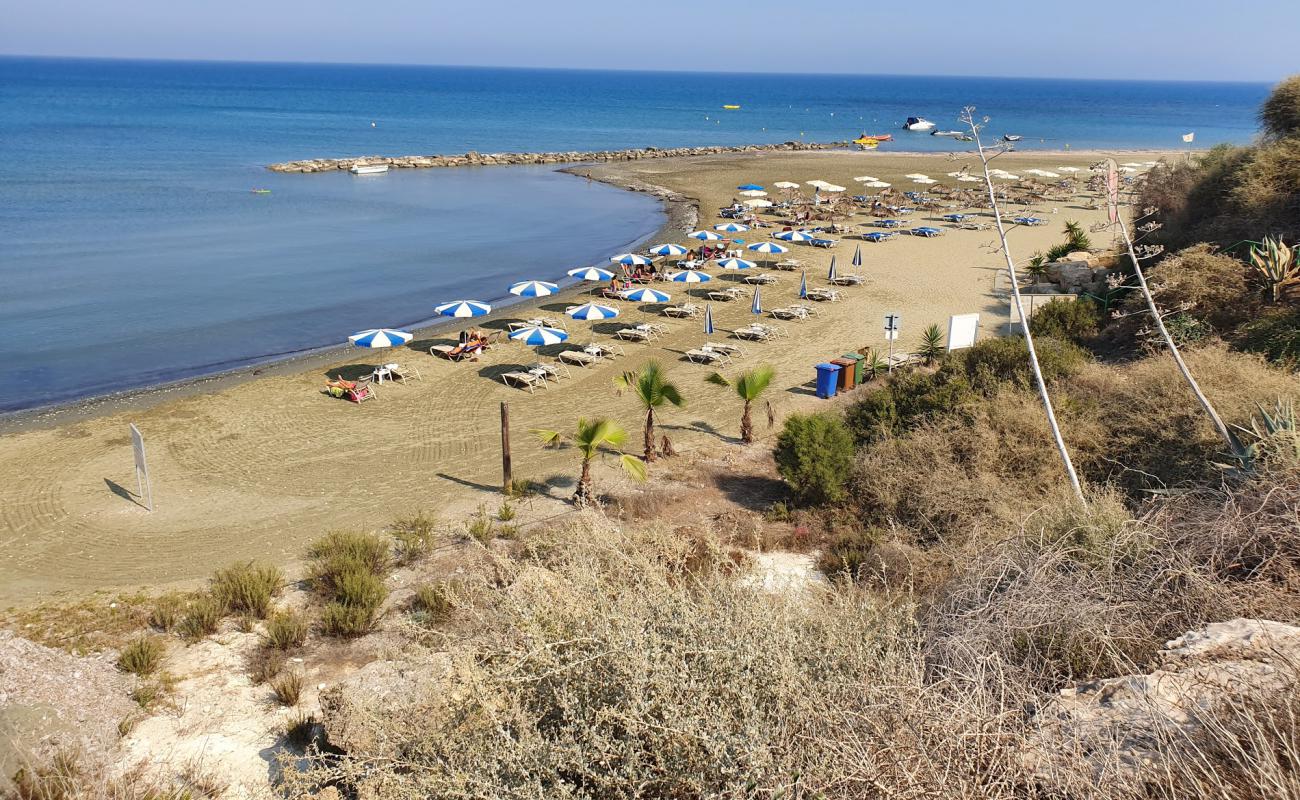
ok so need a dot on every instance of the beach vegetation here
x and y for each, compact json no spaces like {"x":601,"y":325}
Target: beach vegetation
{"x":435,"y":602}
{"x":814,"y":454}
{"x":265,"y":663}
{"x":931,"y":348}
{"x":591,"y":437}
{"x":1275,"y":335}
{"x":652,"y":390}
{"x":1036,"y":267}
{"x":286,"y":630}
{"x":1078,"y":321}
{"x":480,"y":527}
{"x":1201,"y":281}
{"x":301,"y":731}
{"x":523,"y":488}
{"x":1076,"y":240}
{"x":872,"y":365}
{"x":342,"y":553}
{"x":413,"y":538}
{"x":1279,"y":116}
{"x":506,"y":511}
{"x":1274,"y":264}
{"x":748,"y":386}
{"x":202,"y":617}
{"x":142,"y":656}
{"x":247,"y":587}
{"x":288,"y":687}
{"x":168,"y":611}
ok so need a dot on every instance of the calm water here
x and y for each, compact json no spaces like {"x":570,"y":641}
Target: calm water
{"x":132,"y":252}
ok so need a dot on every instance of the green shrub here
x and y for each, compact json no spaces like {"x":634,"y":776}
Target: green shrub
{"x":341,"y":553}
{"x":480,"y":528}
{"x":1005,"y":360}
{"x":247,"y":587}
{"x":360,"y":589}
{"x":908,"y":399}
{"x":1280,"y":114}
{"x":288,"y":687}
{"x":202,"y":617}
{"x":506,"y":512}
{"x":357,"y":598}
{"x":1067,"y":320}
{"x":414,"y":537}
{"x":1275,"y":336}
{"x":286,"y":630}
{"x":141,"y":656}
{"x":346,"y":621}
{"x":168,"y":611}
{"x":814,"y":454}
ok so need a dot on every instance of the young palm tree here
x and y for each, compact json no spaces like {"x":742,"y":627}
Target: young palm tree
{"x":652,"y":388}
{"x":589,"y":438}
{"x":931,"y":348}
{"x":748,"y":386}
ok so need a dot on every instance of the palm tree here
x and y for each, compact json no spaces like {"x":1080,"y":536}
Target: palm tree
{"x":652,"y":389}
{"x":748,"y":386}
{"x":589,"y":438}
{"x":931,"y":344}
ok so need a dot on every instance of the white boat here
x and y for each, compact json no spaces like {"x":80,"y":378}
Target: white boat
{"x":1012,"y":137}
{"x":368,"y":169}
{"x":918,"y":124}
{"x":945,"y":133}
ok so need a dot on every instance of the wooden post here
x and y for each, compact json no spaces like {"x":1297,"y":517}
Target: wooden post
{"x":505,"y":447}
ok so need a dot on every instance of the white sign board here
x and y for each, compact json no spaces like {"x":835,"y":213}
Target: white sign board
{"x":962,"y":330}
{"x":893,"y":321}
{"x":141,"y":468}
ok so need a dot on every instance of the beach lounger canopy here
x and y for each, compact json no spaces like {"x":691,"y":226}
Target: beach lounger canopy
{"x":786,"y":185}
{"x":463,"y":308}
{"x":758,"y":202}
{"x":592,"y":311}
{"x":533,"y":288}
{"x":646,"y":295}
{"x":380,"y":337}
{"x":877,"y":184}
{"x":536,"y":336}
{"x":590,"y":274}
{"x":669,"y":250}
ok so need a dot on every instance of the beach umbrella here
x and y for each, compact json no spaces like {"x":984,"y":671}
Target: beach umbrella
{"x":865,"y":179}
{"x":768,"y":248}
{"x":708,"y":319}
{"x":590,"y":311}
{"x":731,"y":227}
{"x":669,"y":250}
{"x":590,"y":274}
{"x":857,"y":256}
{"x":877,"y":184}
{"x":817,"y":183}
{"x":794,"y":236}
{"x":924,"y":180}
{"x":1067,"y":169}
{"x":756,"y":307}
{"x":832,"y":188}
{"x":754,"y":193}
{"x":803,"y":285}
{"x":533,"y":288}
{"x":736,"y":263}
{"x":759,"y":203}
{"x":957,"y":174}
{"x":1131,"y":164}
{"x":630,"y":260}
{"x":830,"y":276}
{"x":706,"y":236}
{"x":646,"y":295}
{"x":537,"y":335}
{"x":750,"y":187}
{"x":970,"y":179}
{"x":690,"y":276}
{"x":463,"y":308}
{"x":916,"y":175}
{"x":786,"y":185}
{"x":380,"y":337}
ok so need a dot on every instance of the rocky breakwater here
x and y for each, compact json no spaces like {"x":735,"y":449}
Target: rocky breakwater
{"x":473,"y":159}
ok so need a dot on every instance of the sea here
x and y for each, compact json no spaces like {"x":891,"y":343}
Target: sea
{"x":133,"y":251}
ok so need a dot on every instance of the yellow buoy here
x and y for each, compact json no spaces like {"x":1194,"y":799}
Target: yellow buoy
{"x":731,"y":108}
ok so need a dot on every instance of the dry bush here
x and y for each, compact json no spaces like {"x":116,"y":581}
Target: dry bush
{"x":247,"y":587}
{"x":1207,"y":284}
{"x":285,"y":630}
{"x":142,"y":656}
{"x":202,"y":617}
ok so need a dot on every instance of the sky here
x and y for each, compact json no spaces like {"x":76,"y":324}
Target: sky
{"x":1249,"y":40}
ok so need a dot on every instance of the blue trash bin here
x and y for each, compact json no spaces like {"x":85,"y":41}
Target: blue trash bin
{"x":828,"y":375}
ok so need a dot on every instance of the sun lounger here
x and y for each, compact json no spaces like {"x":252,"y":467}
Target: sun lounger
{"x":608,"y":350}
{"x":456,"y":353}
{"x":730,"y":348}
{"x":824,"y":295}
{"x":789,"y":265}
{"x":789,"y":313}
{"x":683,"y":310}
{"x":824,"y":243}
{"x":725,"y":295}
{"x":549,"y":372}
{"x":355,"y":391}
{"x":523,"y":380}
{"x":753,"y":333}
{"x":633,"y":334}
{"x":761,"y":280}
{"x":847,"y":280}
{"x":703,"y":355}
{"x":878,"y":236}
{"x":397,"y":372}
{"x":577,"y":358}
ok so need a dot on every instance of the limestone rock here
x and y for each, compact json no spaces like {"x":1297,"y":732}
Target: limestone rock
{"x":358,"y":712}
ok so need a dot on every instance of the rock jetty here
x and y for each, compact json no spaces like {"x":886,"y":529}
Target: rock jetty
{"x":474,"y":159}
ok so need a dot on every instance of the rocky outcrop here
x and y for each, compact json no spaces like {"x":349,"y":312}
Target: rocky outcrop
{"x":474,"y":159}
{"x":1128,"y":723}
{"x":358,"y":713}
{"x":51,"y":701}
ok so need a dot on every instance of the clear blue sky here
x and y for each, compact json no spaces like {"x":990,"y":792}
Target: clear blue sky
{"x":1153,"y":39}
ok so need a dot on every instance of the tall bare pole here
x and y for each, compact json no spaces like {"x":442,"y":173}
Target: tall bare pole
{"x":505,"y":447}
{"x":968,"y":116}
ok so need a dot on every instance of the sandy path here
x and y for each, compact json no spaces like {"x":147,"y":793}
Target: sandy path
{"x":258,"y":469}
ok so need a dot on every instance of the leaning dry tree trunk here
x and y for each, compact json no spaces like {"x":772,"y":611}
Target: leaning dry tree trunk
{"x":1233,"y":445}
{"x":968,"y":117}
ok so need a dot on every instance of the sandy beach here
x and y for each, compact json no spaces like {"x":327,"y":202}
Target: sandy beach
{"x":254,"y":466}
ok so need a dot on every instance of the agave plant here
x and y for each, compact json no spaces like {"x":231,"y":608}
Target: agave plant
{"x":748,"y":386}
{"x":590,"y":438}
{"x":873,"y":365}
{"x":1274,"y":261}
{"x":653,"y":390}
{"x":931,"y":348}
{"x":1274,"y":435}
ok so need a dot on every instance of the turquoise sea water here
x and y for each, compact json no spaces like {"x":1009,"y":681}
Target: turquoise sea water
{"x":132,"y":252}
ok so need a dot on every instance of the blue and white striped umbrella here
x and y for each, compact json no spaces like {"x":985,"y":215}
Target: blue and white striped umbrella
{"x":731,"y":227}
{"x":630,"y":260}
{"x":803,"y":285}
{"x":590,"y":274}
{"x":708,"y":319}
{"x":757,"y":306}
{"x":706,"y":236}
{"x":380,"y":337}
{"x":537,"y":335}
{"x":533,"y":288}
{"x":646,"y":295}
{"x":794,"y":236}
{"x":690,"y":276}
{"x":736,"y":263}
{"x":857,"y":256}
{"x":830,"y":276}
{"x":669,"y":250}
{"x":463,"y":308}
{"x":768,"y":247}
{"x":591,"y":311}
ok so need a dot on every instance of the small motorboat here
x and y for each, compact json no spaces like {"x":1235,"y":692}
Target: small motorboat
{"x":731,"y":108}
{"x":1012,"y":137}
{"x":945,"y":133}
{"x":879,"y":137}
{"x":368,"y":169}
{"x":918,"y":124}
{"x":261,"y":191}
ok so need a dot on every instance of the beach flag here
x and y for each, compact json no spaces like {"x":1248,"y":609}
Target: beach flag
{"x":1189,"y":137}
{"x":803,"y":286}
{"x":857,"y":256}
{"x":757,"y":306}
{"x":708,"y":319}
{"x":830,"y":276}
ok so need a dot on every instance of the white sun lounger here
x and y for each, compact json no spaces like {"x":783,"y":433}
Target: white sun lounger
{"x":633,"y":334}
{"x":763,"y":279}
{"x":523,"y":380}
{"x":683,"y":310}
{"x":848,"y":280}
{"x":704,"y":355}
{"x":577,"y":358}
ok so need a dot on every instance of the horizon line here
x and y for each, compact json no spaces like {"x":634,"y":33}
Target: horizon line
{"x":419,"y":65}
